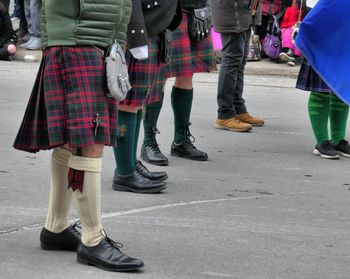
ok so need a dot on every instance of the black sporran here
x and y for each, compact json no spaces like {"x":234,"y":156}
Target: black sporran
{"x":199,"y":23}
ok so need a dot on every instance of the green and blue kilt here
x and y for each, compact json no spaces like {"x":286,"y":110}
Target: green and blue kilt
{"x":145,"y":76}
{"x":68,"y":101}
{"x":188,"y":56}
{"x":309,"y":80}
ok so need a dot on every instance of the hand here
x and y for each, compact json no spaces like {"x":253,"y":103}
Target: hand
{"x":11,"y":49}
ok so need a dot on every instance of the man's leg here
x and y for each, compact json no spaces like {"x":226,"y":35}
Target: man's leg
{"x":150,"y":151}
{"x":95,"y":248}
{"x":127,"y":176}
{"x":318,"y":108}
{"x":238,"y":101}
{"x":23,"y":28}
{"x":57,"y":233}
{"x":28,"y":18}
{"x":181,"y":102}
{"x":233,"y":53}
{"x":339,"y":112}
{"x":35,"y":41}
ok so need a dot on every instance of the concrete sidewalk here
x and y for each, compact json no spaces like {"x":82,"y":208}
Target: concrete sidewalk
{"x":263,"y":67}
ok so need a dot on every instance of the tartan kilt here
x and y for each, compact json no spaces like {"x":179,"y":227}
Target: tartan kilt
{"x":309,"y":80}
{"x":188,"y":56}
{"x":145,"y":76}
{"x":67,"y":100}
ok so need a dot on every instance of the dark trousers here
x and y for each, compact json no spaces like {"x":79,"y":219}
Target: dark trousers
{"x":23,"y":22}
{"x":6,"y":5}
{"x":16,"y":11}
{"x":235,"y":48}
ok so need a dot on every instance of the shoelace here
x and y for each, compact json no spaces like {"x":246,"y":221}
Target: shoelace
{"x":115,"y":244}
{"x":155,"y":146}
{"x":328,"y":146}
{"x":76,"y":226}
{"x":156,"y":131}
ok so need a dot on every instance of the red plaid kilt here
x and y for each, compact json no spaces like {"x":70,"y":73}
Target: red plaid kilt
{"x":189,"y":57}
{"x":145,"y":77}
{"x":67,"y":100}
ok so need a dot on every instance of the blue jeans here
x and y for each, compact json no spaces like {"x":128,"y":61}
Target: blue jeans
{"x":235,"y":48}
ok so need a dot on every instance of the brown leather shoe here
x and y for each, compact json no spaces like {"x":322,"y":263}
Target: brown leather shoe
{"x":232,"y":124}
{"x":247,"y":118}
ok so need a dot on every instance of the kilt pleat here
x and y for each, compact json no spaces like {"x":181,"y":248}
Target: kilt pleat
{"x":188,"y":56}
{"x":309,"y":80}
{"x":68,"y":101}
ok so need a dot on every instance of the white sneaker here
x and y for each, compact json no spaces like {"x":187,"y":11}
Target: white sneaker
{"x":285,"y":57}
{"x":26,"y":38}
{"x":34,"y":44}
{"x":26,"y":43}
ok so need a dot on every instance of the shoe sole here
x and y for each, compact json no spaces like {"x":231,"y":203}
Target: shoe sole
{"x":343,"y":154}
{"x":180,"y":155}
{"x":124,"y":269}
{"x":317,"y":153}
{"x":257,"y":125}
{"x":217,"y":126}
{"x":156,"y":163}
{"x":48,"y":247}
{"x":285,"y":58}
{"x":118,"y":187}
{"x":161,"y":179}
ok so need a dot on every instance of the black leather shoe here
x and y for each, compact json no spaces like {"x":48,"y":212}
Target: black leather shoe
{"x":188,"y":150}
{"x":107,"y":255}
{"x":153,"y":175}
{"x":152,"y":154}
{"x":137,"y":183}
{"x":68,"y":240}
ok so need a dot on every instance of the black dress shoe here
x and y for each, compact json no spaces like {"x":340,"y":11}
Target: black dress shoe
{"x":153,"y":175}
{"x":137,"y":183}
{"x":152,"y":154}
{"x":107,"y":255}
{"x":188,"y":150}
{"x":68,"y":240}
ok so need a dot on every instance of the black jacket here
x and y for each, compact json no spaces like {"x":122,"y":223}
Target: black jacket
{"x":6,"y":31}
{"x":151,"y":17}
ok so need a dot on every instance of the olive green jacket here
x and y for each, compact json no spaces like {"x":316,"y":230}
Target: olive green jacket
{"x":84,"y":22}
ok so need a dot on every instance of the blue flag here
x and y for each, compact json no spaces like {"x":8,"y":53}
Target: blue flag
{"x":324,"y":40}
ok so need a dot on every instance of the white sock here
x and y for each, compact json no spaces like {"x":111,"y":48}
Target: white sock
{"x":89,"y":200}
{"x":60,"y":196}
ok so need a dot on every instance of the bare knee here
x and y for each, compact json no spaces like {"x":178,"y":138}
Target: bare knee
{"x":129,"y":108}
{"x":92,"y":151}
{"x":183,"y":82}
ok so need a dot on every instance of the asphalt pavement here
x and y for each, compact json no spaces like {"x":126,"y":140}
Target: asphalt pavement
{"x":262,"y":207}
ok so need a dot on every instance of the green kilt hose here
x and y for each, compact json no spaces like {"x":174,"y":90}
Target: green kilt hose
{"x":189,"y":57}
{"x":145,"y":76}
{"x":68,"y":104}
